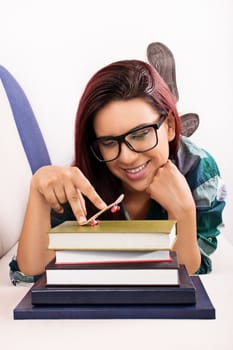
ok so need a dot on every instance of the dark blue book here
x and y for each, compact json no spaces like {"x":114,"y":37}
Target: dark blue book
{"x":184,"y":293}
{"x":202,"y":309}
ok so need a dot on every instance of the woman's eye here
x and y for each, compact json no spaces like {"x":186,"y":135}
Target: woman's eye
{"x":140,"y":134}
{"x":108,"y":143}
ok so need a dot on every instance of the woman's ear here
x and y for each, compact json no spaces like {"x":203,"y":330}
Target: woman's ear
{"x":171,"y":126}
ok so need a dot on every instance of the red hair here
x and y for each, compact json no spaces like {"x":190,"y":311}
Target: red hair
{"x":122,"y":80}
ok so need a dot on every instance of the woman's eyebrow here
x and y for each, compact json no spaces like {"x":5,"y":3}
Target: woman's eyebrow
{"x":125,"y":133}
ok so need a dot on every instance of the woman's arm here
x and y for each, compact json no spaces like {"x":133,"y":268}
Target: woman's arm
{"x":50,"y":187}
{"x":170,"y":188}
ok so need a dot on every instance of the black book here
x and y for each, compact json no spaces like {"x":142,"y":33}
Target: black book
{"x":133,"y":273}
{"x":184,"y":293}
{"x":202,"y":309}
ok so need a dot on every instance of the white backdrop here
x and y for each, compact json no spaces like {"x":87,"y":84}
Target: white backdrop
{"x":52,"y":47}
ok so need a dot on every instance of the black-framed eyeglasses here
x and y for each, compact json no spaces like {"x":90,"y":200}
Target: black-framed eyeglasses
{"x":140,"y":139}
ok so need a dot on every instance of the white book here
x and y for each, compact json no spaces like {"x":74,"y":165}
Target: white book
{"x":113,"y":277}
{"x":132,"y":273}
{"x":109,"y":256}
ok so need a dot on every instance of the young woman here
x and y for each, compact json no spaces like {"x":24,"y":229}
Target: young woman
{"x":127,"y":140}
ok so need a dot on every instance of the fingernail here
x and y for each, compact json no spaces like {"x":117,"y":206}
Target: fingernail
{"x":103,"y":205}
{"x":82,"y":219}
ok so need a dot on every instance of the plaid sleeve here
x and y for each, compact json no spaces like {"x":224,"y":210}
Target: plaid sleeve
{"x":202,"y":174}
{"x":209,"y":196}
{"x":19,"y":278}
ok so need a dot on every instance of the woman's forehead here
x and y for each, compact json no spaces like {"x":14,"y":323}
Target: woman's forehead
{"x":120,"y":116}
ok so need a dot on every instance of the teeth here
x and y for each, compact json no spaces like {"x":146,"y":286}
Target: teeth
{"x":136,"y":170}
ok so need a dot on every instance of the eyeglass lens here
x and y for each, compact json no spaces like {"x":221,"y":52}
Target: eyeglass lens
{"x":139,"y":141}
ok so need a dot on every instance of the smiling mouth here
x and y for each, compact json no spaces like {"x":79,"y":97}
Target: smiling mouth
{"x":136,"y":170}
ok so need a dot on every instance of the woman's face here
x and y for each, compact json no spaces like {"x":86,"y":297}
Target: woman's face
{"x":135,"y":170}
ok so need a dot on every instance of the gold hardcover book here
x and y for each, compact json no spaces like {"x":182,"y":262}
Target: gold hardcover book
{"x":114,"y":235}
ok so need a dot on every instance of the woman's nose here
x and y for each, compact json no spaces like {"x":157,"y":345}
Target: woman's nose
{"x":126,"y":154}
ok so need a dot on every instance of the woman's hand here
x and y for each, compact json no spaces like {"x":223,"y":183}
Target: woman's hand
{"x":170,"y":188}
{"x":50,"y":187}
{"x":59,"y":185}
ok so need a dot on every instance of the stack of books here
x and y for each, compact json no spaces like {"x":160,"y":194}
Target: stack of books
{"x":113,"y":252}
{"x":116,"y":269}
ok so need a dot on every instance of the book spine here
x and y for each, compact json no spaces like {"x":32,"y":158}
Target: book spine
{"x":173,"y":295}
{"x":115,"y":312}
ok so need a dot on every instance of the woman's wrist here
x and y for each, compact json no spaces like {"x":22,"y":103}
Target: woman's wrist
{"x":183,"y":212}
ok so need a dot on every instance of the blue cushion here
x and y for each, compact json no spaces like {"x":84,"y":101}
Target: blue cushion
{"x":22,"y":152}
{"x":28,"y":128}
